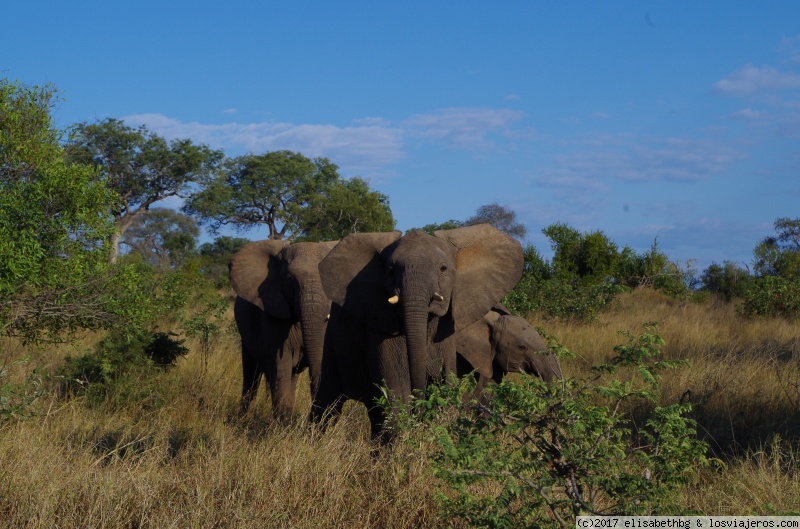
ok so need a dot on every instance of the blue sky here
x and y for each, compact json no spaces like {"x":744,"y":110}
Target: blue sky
{"x":671,"y":120}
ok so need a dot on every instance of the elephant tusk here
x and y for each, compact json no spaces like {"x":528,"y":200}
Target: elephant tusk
{"x":327,"y":317}
{"x":394,"y":299}
{"x":438,"y":296}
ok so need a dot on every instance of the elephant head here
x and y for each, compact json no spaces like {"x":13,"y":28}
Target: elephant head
{"x":501,"y":343}
{"x":283,"y":280}
{"x":408,"y":285}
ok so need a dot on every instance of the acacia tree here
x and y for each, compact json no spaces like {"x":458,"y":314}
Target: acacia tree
{"x":52,"y":223}
{"x":292,"y":195}
{"x":163,"y":237}
{"x":140,"y":166}
{"x":501,"y":217}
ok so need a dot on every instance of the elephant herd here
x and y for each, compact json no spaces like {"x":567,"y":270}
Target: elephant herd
{"x":380,"y":310}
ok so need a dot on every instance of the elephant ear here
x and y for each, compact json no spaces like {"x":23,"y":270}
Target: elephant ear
{"x":255,"y":276}
{"x":352,"y":276}
{"x":474,"y":343}
{"x":325,"y":248}
{"x":488,"y":265}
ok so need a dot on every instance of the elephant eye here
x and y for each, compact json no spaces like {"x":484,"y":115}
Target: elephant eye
{"x":443,"y":268}
{"x":522,"y":347}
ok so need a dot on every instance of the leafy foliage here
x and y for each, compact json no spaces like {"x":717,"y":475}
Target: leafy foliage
{"x":653,"y":268}
{"x":553,"y":298}
{"x":728,"y":280}
{"x":52,"y":224}
{"x":589,"y":257}
{"x":120,"y":365}
{"x":539,"y":454}
{"x":163,"y":237}
{"x":775,"y":288}
{"x":772,"y":296}
{"x":295,"y":197}
{"x":346,"y":206}
{"x":139,"y":165}
{"x":215,"y":256}
{"x":779,"y":255}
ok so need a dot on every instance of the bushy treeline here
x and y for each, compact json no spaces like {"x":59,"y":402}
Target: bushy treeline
{"x":83,"y":243}
{"x":588,"y":270}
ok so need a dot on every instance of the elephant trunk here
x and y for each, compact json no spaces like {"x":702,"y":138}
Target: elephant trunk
{"x":416,"y":302}
{"x":313,"y":321}
{"x":547,"y":366}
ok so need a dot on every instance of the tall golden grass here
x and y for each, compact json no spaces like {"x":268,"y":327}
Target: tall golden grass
{"x":192,"y":462}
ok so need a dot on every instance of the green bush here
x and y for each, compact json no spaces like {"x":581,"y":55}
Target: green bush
{"x":728,"y":280}
{"x":539,"y":454}
{"x":654,"y":269}
{"x":772,"y":296}
{"x":556,"y":298}
{"x":121,"y":366}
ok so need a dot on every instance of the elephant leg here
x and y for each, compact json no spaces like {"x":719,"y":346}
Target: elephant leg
{"x":327,"y":402}
{"x":282,"y":384}
{"x":251,"y":379}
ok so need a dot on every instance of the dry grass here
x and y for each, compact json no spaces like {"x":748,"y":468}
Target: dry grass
{"x":193,"y":463}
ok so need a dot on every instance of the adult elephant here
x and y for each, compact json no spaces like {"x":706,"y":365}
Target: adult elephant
{"x":501,"y":343}
{"x":281,"y":311}
{"x":398,"y":300}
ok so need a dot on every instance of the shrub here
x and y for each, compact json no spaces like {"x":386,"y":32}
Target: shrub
{"x":556,"y":298}
{"x":116,"y":362}
{"x":653,"y":268}
{"x":541,"y":454}
{"x":728,"y":280}
{"x":772,"y":296}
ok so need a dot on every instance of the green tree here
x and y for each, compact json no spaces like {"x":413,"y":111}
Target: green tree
{"x":589,"y":257}
{"x":140,"y":166}
{"x":53,"y":225}
{"x":223,"y":246}
{"x":346,"y":206}
{"x":215,"y":256}
{"x":293,"y":196}
{"x":164,"y":237}
{"x":779,"y":255}
{"x":501,"y":217}
{"x":653,"y":268}
{"x":728,"y":280}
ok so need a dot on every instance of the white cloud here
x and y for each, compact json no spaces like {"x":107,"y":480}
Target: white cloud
{"x":465,"y":128}
{"x":747,"y":113}
{"x":750,"y":80}
{"x":790,"y":46}
{"x":355,"y":149}
{"x":668,"y":159}
{"x":512,"y":97}
{"x":230,"y":111}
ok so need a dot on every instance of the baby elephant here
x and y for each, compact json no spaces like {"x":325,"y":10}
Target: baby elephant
{"x":500,"y":343}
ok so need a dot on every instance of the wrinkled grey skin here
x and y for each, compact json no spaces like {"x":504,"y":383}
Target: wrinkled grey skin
{"x":281,"y":311}
{"x":501,"y":343}
{"x":443,"y":283}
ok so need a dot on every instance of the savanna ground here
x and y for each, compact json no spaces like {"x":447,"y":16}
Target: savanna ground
{"x":177,"y":455}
